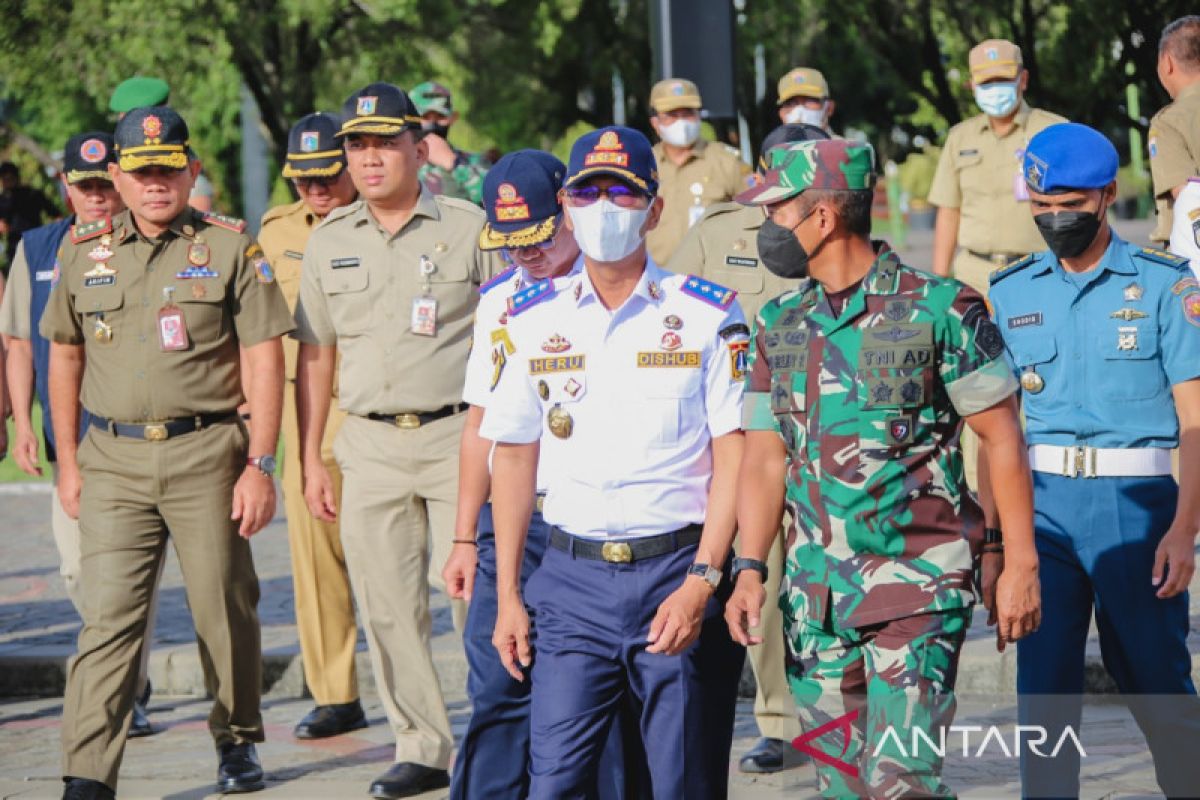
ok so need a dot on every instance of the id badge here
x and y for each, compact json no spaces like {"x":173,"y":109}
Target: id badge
{"x":172,"y":330}
{"x":424,"y":315}
{"x":1020,"y":188}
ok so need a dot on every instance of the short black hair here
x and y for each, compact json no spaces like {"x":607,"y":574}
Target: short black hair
{"x":1182,"y":39}
{"x":8,"y":168}
{"x":852,"y":205}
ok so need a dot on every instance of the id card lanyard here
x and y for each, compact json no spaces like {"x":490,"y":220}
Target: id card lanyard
{"x":172,"y":328}
{"x":425,"y":305}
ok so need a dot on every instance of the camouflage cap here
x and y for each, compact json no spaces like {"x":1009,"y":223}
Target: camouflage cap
{"x":674,"y":93}
{"x":802,"y":82}
{"x":138,"y":92}
{"x":994,"y":58}
{"x":823,"y":164}
{"x":431,"y":96}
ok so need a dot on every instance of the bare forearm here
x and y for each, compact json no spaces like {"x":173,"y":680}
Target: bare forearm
{"x":314,"y":388}
{"x":66,"y":377}
{"x":1003,"y":446}
{"x":1187,"y":403}
{"x":18,"y":367}
{"x":720,"y":519}
{"x":474,"y":480}
{"x":514,"y":484}
{"x":760,"y":495}
{"x":945,"y":240}
{"x":263,"y":381}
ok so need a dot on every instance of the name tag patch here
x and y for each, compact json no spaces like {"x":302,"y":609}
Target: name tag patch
{"x":293,"y":254}
{"x":741,"y":261}
{"x":1025,"y":320}
{"x":343,"y":263}
{"x":99,"y":280}
{"x":543,"y":366}
{"x":680,"y":358}
{"x":44,"y":275}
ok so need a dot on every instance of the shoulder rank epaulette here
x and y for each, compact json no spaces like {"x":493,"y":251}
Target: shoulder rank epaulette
{"x":530,"y":296}
{"x":90,"y":230}
{"x":496,"y":281}
{"x":712,"y":293}
{"x":228,"y":223}
{"x":1016,"y":266}
{"x":1161,"y":257}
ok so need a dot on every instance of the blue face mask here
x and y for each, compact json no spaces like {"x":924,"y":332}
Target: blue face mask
{"x":997,"y":99}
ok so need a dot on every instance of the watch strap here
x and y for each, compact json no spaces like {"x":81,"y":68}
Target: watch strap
{"x":740,"y":564}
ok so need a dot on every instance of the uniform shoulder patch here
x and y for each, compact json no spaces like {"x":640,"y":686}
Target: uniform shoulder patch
{"x":1184,"y":283}
{"x":708,"y":292}
{"x":496,"y":281}
{"x":228,"y":223}
{"x":459,"y":205}
{"x":530,"y":296}
{"x":1161,"y":257}
{"x":1011,"y":269}
{"x":90,"y":230}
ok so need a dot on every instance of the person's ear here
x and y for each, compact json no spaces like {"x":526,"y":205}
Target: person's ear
{"x":422,"y":149}
{"x":194,"y":167}
{"x":652,"y":219}
{"x":830,"y":107}
{"x":1023,"y":81}
{"x":113,"y":170}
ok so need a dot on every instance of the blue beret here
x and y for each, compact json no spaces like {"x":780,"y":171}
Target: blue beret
{"x":1069,"y":157}
{"x":618,"y":151}
{"x":520,"y":196}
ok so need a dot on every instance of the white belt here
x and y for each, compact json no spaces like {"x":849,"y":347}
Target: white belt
{"x":1078,"y":461}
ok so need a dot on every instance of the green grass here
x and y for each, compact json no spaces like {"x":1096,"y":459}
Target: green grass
{"x":9,"y":471}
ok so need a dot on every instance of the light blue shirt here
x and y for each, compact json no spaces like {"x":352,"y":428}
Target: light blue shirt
{"x":1108,"y":344}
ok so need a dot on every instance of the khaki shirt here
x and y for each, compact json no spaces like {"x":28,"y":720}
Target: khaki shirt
{"x":980,"y":174}
{"x":357,"y":288}
{"x":1174,"y":153}
{"x":723,"y":247}
{"x":18,"y":299}
{"x":713,"y":173}
{"x":283,"y":236}
{"x":128,"y":377}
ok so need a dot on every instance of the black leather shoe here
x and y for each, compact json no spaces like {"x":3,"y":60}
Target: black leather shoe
{"x":771,"y":755}
{"x":141,"y":723}
{"x":239,"y":770}
{"x":331,"y":720}
{"x":406,"y":779}
{"x":85,"y":789}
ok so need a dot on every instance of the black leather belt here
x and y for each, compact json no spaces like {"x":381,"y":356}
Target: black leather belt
{"x":161,"y":431}
{"x":999,"y":259}
{"x":409,"y":421}
{"x":624,"y":551}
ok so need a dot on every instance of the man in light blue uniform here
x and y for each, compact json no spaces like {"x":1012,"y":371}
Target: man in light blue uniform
{"x":1105,"y":337}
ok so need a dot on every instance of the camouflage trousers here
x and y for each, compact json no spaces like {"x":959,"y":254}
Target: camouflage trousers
{"x":861,"y":694}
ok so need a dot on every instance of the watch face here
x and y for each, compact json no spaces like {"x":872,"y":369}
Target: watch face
{"x":267,"y":464}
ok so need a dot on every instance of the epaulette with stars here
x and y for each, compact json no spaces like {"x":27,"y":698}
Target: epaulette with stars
{"x":228,"y":223}
{"x":90,"y":230}
{"x":1161,"y":257}
{"x":496,"y":281}
{"x":706,"y":291}
{"x":1016,"y":266}
{"x":530,"y":296}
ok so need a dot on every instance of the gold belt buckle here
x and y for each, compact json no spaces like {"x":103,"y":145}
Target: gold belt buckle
{"x":539,"y":503}
{"x":617,"y":552}
{"x":408,"y":421}
{"x":155,"y":433}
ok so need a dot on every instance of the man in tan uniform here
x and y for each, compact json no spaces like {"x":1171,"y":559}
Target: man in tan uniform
{"x":983,"y":218}
{"x":150,"y":313}
{"x":693,"y":173}
{"x":804,"y":99}
{"x":1175,"y":129}
{"x":723,"y":247}
{"x":316,"y":165}
{"x":392,"y":281}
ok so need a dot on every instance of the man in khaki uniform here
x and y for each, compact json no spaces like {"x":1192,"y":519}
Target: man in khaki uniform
{"x":804,"y":99}
{"x":392,"y":281}
{"x":149,"y":315}
{"x":983,"y":219}
{"x":723,"y":247}
{"x":693,"y":173}
{"x":316,"y":166}
{"x":1175,"y":129}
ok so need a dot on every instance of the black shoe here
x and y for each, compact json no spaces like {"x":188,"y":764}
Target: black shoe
{"x":85,"y":789}
{"x":141,"y":723}
{"x":144,"y":700}
{"x":331,"y":720}
{"x":239,"y":770}
{"x":406,"y":779}
{"x":771,"y":755}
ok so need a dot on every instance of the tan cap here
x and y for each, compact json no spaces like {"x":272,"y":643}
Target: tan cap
{"x":995,"y":58}
{"x":803,"y":82}
{"x":674,"y":93}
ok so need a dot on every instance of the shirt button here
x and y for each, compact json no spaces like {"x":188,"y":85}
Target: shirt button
{"x":387,"y":386}
{"x":145,"y":413}
{"x":141,"y":375}
{"x":142,"y":338}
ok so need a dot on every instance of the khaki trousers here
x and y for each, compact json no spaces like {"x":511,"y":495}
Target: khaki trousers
{"x":321,"y":585}
{"x":134,"y":492}
{"x":774,"y":708}
{"x":400,"y":491}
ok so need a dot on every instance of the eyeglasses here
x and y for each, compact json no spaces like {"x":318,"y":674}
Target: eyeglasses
{"x":510,"y":253}
{"x":307,"y":183}
{"x":618,"y":194}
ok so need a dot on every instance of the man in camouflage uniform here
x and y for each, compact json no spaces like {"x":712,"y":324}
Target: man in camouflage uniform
{"x":864,"y":448}
{"x":448,"y":170}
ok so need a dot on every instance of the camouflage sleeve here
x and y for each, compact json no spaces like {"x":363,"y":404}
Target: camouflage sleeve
{"x":971,"y":358}
{"x":469,"y":173}
{"x":756,"y":404}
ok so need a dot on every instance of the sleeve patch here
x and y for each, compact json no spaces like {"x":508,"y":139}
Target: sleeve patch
{"x":496,"y":281}
{"x":706,"y":291}
{"x":228,"y":223}
{"x":1191,"y":306}
{"x":529,"y":297}
{"x":90,"y":230}
{"x":1183,"y":284}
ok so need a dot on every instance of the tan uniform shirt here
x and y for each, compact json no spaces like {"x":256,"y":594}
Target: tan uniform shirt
{"x":1174,"y":153}
{"x":713,"y":173}
{"x":283,"y":236}
{"x":18,"y":298}
{"x":980,"y":174}
{"x":723,"y":247}
{"x":113,"y":312}
{"x":357,"y":288}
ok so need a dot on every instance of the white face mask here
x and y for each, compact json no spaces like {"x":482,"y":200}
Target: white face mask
{"x":681,"y":132}
{"x":997,"y":99}
{"x":605,"y":231}
{"x":803,"y":115}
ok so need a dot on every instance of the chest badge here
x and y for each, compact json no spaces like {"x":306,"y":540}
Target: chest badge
{"x":1031,"y":381}
{"x":543,"y":390}
{"x":198,"y":254}
{"x":556,"y":344}
{"x":1127,"y":338}
{"x":101,"y":330}
{"x":654,"y":290}
{"x":672,"y":322}
{"x":670,"y":341}
{"x":1128,"y":314}
{"x":1133,"y":293}
{"x":560,"y":422}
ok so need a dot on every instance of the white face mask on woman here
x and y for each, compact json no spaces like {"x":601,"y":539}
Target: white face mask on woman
{"x":681,"y":132}
{"x":606,"y":232}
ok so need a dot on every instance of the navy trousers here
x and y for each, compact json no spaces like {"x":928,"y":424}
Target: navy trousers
{"x":1096,"y":540}
{"x":591,"y":619}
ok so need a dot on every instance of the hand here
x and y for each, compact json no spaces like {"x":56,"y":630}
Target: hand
{"x":991,"y":565}
{"x":743,"y":610}
{"x":318,"y":492}
{"x":70,"y":482}
{"x":677,"y":623}
{"x":441,"y":154}
{"x":511,"y":637}
{"x":1018,"y":603}
{"x":1176,"y":552}
{"x":25,"y":451}
{"x":253,"y":501}
{"x":459,"y":572}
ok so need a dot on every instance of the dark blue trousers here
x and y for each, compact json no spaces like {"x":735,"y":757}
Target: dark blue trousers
{"x":1096,"y":540}
{"x":591,"y":619}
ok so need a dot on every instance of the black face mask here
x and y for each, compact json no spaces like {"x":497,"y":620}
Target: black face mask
{"x":1068,"y":233}
{"x":780,"y":250}
{"x":441,"y":130}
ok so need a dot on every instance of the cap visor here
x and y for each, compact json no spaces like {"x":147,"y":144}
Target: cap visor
{"x":767,"y":192}
{"x":143,"y":160}
{"x":616,"y":172}
{"x":493,"y":238}
{"x":987,"y":73}
{"x":805,"y":91}
{"x":78,"y":175}
{"x":323,"y":168}
{"x":674,"y":103}
{"x":374,"y":126}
